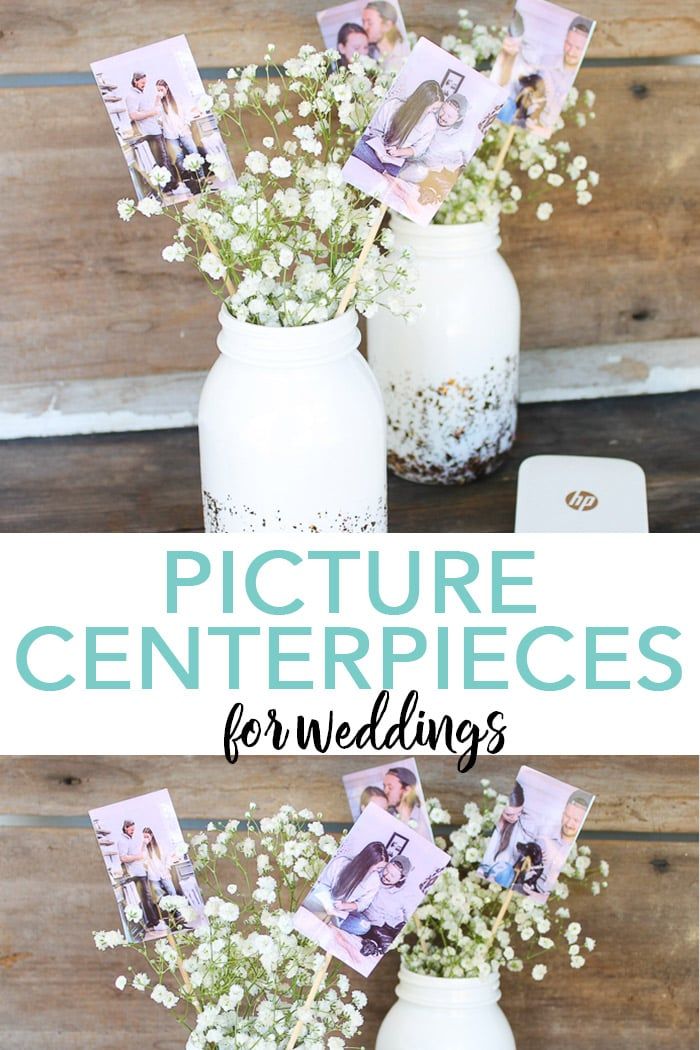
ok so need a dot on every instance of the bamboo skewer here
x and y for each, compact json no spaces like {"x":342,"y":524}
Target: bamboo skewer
{"x":524,"y":866}
{"x":230,"y":287}
{"x":357,"y":268}
{"x":181,"y":967}
{"x":501,"y":158}
{"x":313,"y":992}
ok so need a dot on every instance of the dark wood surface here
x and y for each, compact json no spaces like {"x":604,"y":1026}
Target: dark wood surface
{"x":149,"y":482}
{"x":638,"y":991}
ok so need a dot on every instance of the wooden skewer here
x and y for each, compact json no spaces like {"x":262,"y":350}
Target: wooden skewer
{"x":357,"y":268}
{"x":181,"y":967}
{"x":501,"y":158}
{"x":524,"y":866}
{"x":212,"y":248}
{"x":313,"y":992}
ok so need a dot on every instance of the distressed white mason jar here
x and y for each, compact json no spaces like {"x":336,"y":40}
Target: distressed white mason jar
{"x":292,"y":431}
{"x":447,"y":1014}
{"x":450,"y":381}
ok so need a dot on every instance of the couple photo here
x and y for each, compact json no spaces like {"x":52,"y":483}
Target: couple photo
{"x":395,"y":788}
{"x":534,"y":834}
{"x":146,"y":859}
{"x":375,"y":29}
{"x":423,"y":134}
{"x":369,"y":890}
{"x":154,"y":97}
{"x":541,"y":55}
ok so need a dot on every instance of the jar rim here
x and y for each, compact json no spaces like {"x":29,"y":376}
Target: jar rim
{"x":428,"y":980}
{"x":291,"y":334}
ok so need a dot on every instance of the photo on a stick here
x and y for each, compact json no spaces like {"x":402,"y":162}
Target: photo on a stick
{"x":541,"y":55}
{"x":375,"y":29}
{"x":146,"y":859}
{"x":162,"y":118}
{"x":425,"y":131}
{"x":369,"y":890}
{"x":534,"y":834}
{"x":396,"y":788}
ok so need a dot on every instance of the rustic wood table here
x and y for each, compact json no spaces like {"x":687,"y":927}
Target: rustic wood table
{"x":149,"y":481}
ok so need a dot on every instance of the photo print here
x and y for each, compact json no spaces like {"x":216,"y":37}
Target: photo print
{"x":534,"y":835}
{"x":146,"y":859}
{"x":425,"y":131}
{"x":396,"y":788}
{"x":369,"y":890}
{"x":541,"y":55}
{"x":162,"y":118}
{"x":375,"y":29}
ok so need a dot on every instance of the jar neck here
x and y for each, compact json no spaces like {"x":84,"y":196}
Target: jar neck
{"x":303,"y":345}
{"x":471,"y":238}
{"x":448,"y":992}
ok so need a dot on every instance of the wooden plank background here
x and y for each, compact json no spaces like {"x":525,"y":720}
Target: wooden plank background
{"x":637,"y":992}
{"x":87,"y":297}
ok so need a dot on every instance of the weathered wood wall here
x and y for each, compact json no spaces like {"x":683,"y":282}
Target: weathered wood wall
{"x":87,"y":298}
{"x":638,"y":991}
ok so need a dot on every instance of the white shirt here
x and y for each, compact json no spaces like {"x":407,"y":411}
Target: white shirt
{"x":418,"y":138}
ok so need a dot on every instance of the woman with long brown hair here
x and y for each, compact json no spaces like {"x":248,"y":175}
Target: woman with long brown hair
{"x":159,"y":878}
{"x":401,"y":129}
{"x":347,"y":884}
{"x":176,"y":127}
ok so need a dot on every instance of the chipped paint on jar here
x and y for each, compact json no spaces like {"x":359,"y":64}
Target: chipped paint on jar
{"x":450,"y":381}
{"x":292,"y":431}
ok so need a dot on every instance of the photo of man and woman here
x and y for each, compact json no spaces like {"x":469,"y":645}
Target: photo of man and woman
{"x":396,"y":788}
{"x":424,"y":132}
{"x":538,"y":63}
{"x":375,"y":29}
{"x":369,"y":890}
{"x":535,"y":833}
{"x":146,"y":859}
{"x":160,"y":114}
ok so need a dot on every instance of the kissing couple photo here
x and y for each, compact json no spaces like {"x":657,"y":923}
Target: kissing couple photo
{"x":369,"y":890}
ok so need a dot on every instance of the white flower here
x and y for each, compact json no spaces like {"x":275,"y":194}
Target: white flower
{"x":544,"y":211}
{"x":584,"y":198}
{"x":163,"y":995}
{"x":213,"y":266}
{"x":535,"y":171}
{"x":159,"y":176}
{"x":268,"y":142}
{"x":555,"y":179}
{"x":580,"y":163}
{"x":539,"y":971}
{"x":140,"y":982}
{"x":256,"y":162}
{"x":577,"y":961}
{"x":120,"y":983}
{"x":193,"y":162}
{"x":286,"y":258}
{"x":125,"y":208}
{"x":150,"y":206}
{"x":280,"y":167}
{"x":603,"y":867}
{"x":177,"y":252}
{"x":589,"y":944}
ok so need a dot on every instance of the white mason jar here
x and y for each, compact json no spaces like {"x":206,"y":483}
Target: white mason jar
{"x":292,"y":431}
{"x":450,"y":381}
{"x":447,"y":1014}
